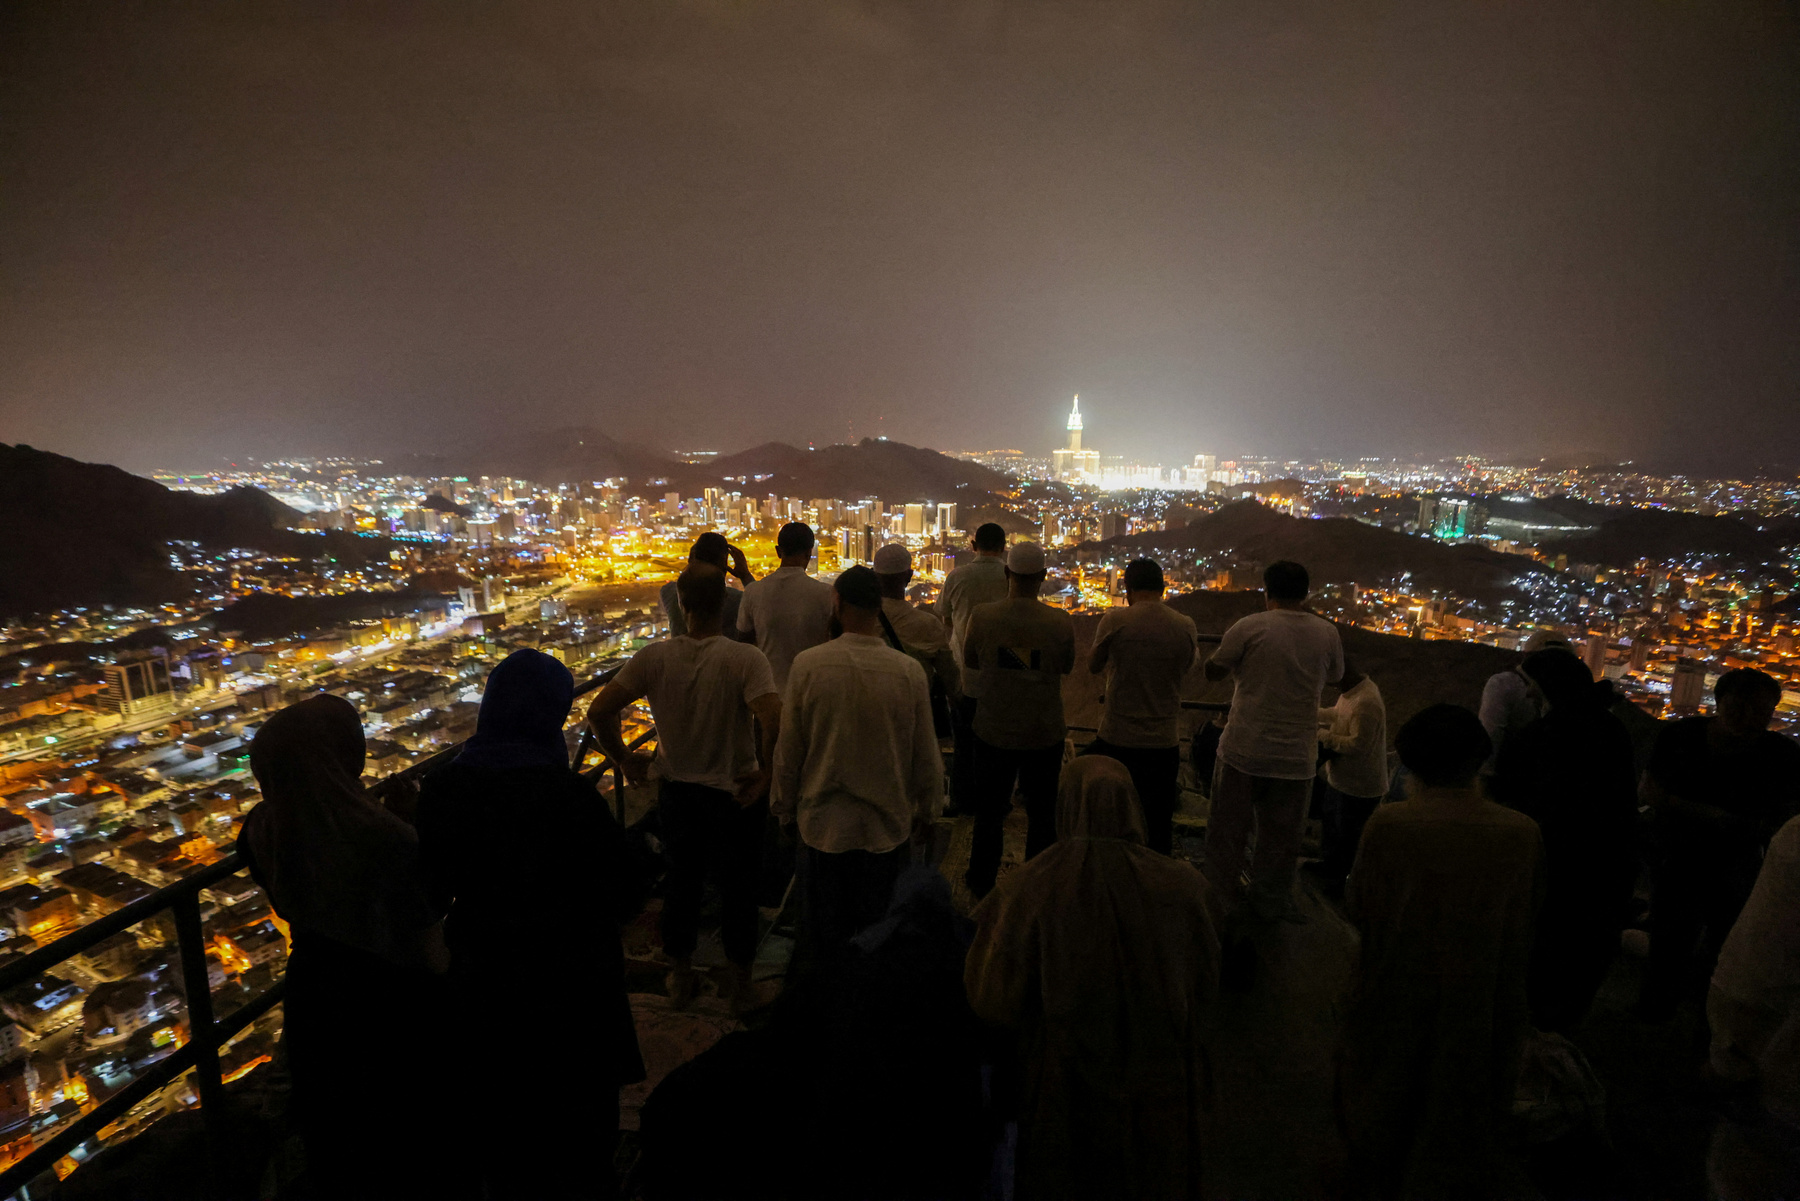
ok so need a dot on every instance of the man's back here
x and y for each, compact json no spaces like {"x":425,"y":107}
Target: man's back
{"x":787,"y":611}
{"x":1149,"y":648}
{"x":1756,"y":778}
{"x":1443,"y":883}
{"x":924,"y":638}
{"x":1016,"y":654}
{"x":857,"y":751}
{"x":1359,"y":734}
{"x":699,"y":691}
{"x":1281,"y":660}
{"x":971,"y":585}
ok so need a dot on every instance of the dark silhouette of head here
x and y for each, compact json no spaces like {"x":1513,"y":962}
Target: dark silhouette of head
{"x":701,"y":589}
{"x":795,"y":540}
{"x":1144,"y":575}
{"x":1444,"y":746}
{"x":1563,"y":678}
{"x":990,"y":538}
{"x":860,"y":588}
{"x":1286,"y":581}
{"x":1746,"y":700}
{"x":711,"y":549}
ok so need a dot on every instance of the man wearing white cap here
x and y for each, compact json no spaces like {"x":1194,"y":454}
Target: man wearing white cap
{"x":1016,"y":654}
{"x":912,"y":630}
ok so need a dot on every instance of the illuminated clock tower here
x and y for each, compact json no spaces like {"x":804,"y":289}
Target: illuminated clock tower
{"x":1072,"y":463}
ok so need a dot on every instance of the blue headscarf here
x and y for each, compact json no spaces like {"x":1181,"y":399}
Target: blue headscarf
{"x":522,"y":714}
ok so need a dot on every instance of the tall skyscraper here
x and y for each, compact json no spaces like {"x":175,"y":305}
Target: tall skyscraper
{"x":1072,"y":463}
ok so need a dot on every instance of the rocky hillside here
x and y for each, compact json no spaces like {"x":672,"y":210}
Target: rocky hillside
{"x":86,"y":534}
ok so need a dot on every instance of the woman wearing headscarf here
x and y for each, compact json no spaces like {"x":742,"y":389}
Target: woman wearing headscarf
{"x":551,"y":934}
{"x":366,"y":948}
{"x":1099,"y":954}
{"x":1572,"y":772}
{"x":1754,"y":1011}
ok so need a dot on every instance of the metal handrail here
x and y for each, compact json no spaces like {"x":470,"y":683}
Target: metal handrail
{"x":206,"y":1035}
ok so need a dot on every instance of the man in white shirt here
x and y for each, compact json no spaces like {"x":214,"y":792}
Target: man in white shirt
{"x":712,"y":796}
{"x":1145,"y":649}
{"x":711,"y":550}
{"x":1016,"y":654}
{"x":857,"y":767}
{"x":972,"y":584}
{"x":915,"y":631}
{"x":1510,"y":701}
{"x":787,"y":610}
{"x":1354,"y":734}
{"x":1280,"y":660}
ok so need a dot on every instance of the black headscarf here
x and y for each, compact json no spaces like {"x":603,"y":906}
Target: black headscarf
{"x":333,"y":860}
{"x":523,"y":710}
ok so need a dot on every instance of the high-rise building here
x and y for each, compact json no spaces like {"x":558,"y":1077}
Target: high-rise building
{"x":946,"y":520}
{"x":1687,"y":690}
{"x":1205,"y":465}
{"x":856,"y":544}
{"x":138,"y":687}
{"x":1072,"y":462}
{"x":915,"y":521}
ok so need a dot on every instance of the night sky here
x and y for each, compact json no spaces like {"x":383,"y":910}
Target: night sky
{"x":232,"y":229}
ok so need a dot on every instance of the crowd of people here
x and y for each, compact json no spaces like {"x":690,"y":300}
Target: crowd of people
{"x":1069,"y":1007}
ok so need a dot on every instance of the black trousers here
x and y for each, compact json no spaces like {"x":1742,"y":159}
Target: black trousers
{"x":1035,"y":771}
{"x":708,"y":833}
{"x":1695,"y":899}
{"x":842,"y":893}
{"x":1345,"y":816}
{"x":1155,"y":773}
{"x":964,"y":771}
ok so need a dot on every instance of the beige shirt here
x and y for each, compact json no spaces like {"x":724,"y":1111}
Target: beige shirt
{"x":1356,"y":728}
{"x":1017,"y":653}
{"x":1146,"y":650}
{"x":700,"y":691}
{"x":857,"y":759}
{"x":924,"y":638}
{"x":965,"y":589}
{"x":786,"y":612}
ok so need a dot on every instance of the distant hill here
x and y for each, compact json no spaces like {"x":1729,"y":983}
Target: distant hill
{"x":271,"y":615}
{"x":1625,"y":535}
{"x":85,"y":534}
{"x":892,"y":471}
{"x":1340,"y":550}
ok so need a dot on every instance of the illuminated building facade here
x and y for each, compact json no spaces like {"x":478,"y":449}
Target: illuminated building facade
{"x":1072,"y":463}
{"x":136,"y":687}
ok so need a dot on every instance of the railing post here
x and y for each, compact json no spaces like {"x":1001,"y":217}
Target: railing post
{"x":201,"y":1032}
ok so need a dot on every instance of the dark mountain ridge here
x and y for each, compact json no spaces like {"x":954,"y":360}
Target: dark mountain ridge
{"x":86,"y":533}
{"x":892,"y":471}
{"x":1340,"y":550}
